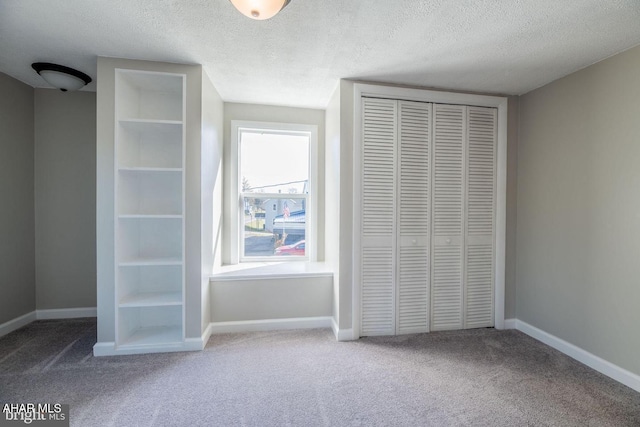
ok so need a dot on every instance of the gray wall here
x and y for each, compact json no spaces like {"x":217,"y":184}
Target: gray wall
{"x":65,"y":198}
{"x":268,"y":113}
{"x":17,"y":238}
{"x":578,"y":244}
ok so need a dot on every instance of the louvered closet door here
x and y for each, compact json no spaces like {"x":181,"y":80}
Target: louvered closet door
{"x":480,"y":210}
{"x":448,"y":217}
{"x":413,"y":217}
{"x":378,"y":216}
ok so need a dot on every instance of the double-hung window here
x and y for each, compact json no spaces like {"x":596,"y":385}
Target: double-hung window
{"x":275,"y":188}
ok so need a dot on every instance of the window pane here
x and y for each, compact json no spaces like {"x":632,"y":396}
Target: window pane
{"x":271,"y":163}
{"x":278,"y":232}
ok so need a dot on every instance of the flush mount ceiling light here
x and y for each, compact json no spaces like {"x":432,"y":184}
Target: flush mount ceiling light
{"x":61,"y":77}
{"x":260,"y":9}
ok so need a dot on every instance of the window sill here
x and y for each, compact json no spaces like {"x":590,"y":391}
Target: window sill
{"x":270,"y":270}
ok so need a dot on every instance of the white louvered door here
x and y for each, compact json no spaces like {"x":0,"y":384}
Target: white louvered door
{"x":378,"y":254}
{"x":480,"y":212}
{"x":448,"y":217}
{"x":414,"y":122}
{"x":428,"y":195}
{"x":463,"y":217}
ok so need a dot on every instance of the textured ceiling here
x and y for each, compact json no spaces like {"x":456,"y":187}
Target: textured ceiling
{"x":297,"y":58}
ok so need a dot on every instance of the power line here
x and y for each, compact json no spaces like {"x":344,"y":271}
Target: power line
{"x":276,"y":185}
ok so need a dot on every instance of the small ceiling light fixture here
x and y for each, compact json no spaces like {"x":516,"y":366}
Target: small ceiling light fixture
{"x":260,"y":9}
{"x":61,"y":77}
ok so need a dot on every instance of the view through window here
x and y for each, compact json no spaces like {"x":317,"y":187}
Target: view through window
{"x":274,"y":192}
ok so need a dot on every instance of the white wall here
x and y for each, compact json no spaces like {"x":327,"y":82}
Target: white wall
{"x":65,"y":198}
{"x":346,"y":205}
{"x":211,"y":191}
{"x":578,"y":227}
{"x":339,"y":199}
{"x":268,"y":113}
{"x":17,"y":235}
{"x":332,"y":196}
{"x":268,"y":299}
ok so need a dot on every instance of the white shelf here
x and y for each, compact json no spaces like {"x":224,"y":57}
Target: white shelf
{"x":150,"y":325}
{"x":150,"y":238}
{"x":142,"y":169}
{"x":149,"y":285}
{"x":151,"y":81}
{"x":149,"y":96}
{"x":149,"y":216}
{"x":152,"y":299}
{"x":143,"y":124}
{"x":153,"y":335}
{"x":150,"y":193}
{"x":150,"y":261}
{"x":150,"y":144}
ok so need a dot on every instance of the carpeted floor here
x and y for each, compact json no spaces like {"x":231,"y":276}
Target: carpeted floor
{"x":305,"y":378}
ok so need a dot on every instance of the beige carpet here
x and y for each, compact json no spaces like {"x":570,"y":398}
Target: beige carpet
{"x":305,"y":378}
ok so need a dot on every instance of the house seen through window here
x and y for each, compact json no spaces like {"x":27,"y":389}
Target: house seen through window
{"x":274,"y":193}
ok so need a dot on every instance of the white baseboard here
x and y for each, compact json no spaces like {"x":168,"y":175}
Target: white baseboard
{"x":341,"y":334}
{"x":66,"y":313}
{"x":615,"y":372}
{"x":110,"y":348}
{"x":17,"y":323}
{"x":206,"y":335}
{"x":104,"y":349}
{"x":335,"y":328}
{"x":270,"y":325}
{"x":189,"y":344}
{"x":510,"y":323}
{"x":58,"y":313}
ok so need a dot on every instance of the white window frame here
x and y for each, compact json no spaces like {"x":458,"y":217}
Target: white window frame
{"x":236,"y":195}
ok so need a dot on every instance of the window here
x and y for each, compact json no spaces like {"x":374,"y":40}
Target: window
{"x":275,"y":191}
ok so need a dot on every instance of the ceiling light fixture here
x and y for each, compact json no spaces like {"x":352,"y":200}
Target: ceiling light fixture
{"x":260,"y":9}
{"x":61,"y":77}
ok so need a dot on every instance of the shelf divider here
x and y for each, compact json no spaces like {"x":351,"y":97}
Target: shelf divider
{"x":150,"y":261}
{"x":148,"y":169}
{"x":152,"y":299}
{"x":149,"y":216}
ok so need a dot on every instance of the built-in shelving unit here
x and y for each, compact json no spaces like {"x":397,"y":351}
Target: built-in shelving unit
{"x":149,"y":210}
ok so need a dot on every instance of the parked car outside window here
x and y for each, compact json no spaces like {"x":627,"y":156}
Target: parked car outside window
{"x":294,"y":249}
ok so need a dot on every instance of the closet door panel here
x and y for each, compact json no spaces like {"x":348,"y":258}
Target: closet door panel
{"x":413,"y":217}
{"x":480,"y":209}
{"x":448,"y":217}
{"x":427,"y":217}
{"x":378,"y":202}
